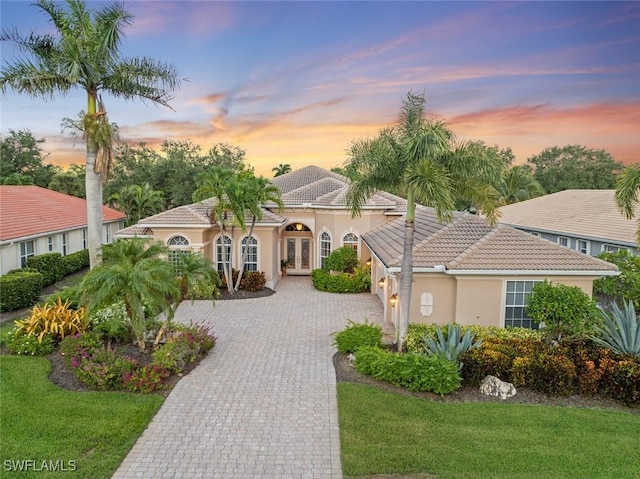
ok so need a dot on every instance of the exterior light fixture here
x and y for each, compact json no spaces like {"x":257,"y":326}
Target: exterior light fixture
{"x":369,"y":263}
{"x":381,"y":283}
{"x":393,"y":300}
{"x":299,"y":226}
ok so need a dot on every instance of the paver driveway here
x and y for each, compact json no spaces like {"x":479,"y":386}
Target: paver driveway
{"x":263,"y":402}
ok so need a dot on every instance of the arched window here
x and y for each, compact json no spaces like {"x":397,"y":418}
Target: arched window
{"x":351,"y":240}
{"x":176,"y":250}
{"x":178,"y":241}
{"x":223,"y":255}
{"x":325,"y":247}
{"x":251,"y":263}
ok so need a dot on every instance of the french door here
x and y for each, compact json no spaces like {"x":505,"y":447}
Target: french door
{"x":298,"y":255}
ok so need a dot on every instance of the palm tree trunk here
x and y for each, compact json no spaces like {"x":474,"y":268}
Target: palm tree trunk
{"x":93,"y":184}
{"x":406,"y":271}
{"x":245,"y":254}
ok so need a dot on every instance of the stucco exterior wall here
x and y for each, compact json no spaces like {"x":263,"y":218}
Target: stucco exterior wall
{"x":443,"y":289}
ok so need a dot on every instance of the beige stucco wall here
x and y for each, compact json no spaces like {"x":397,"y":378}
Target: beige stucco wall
{"x":443,"y":289}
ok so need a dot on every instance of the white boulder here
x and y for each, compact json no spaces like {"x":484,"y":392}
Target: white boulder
{"x":492,"y":386}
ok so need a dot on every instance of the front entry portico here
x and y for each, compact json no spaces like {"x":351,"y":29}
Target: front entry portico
{"x":297,"y":241}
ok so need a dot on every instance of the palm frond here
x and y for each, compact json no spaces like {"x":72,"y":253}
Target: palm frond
{"x":431,"y":185}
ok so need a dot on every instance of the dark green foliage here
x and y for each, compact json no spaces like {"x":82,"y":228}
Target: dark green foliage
{"x":343,"y":259}
{"x":182,"y":348}
{"x":356,"y":335}
{"x":553,"y":373}
{"x":18,"y":342}
{"x":19,"y":290}
{"x":75,"y":261}
{"x":50,"y":265}
{"x":253,"y":281}
{"x":625,"y":286}
{"x":71,"y":294}
{"x":356,"y":282}
{"x":565,"y":310}
{"x":415,"y":372}
{"x":22,"y":160}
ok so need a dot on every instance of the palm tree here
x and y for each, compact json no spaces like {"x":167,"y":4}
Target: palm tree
{"x":259,"y":193}
{"x":517,"y":184}
{"x":628,"y":193}
{"x":418,"y":156}
{"x":281,"y":169}
{"x":137,"y":202}
{"x":138,"y":274}
{"x":85,"y":54}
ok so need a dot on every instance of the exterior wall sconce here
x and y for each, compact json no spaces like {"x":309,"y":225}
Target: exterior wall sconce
{"x":393,"y":300}
{"x":368,"y":263}
{"x":299,"y":226}
{"x":381,"y":282}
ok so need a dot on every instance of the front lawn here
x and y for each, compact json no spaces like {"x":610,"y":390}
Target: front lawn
{"x":383,"y":433}
{"x":90,"y":432}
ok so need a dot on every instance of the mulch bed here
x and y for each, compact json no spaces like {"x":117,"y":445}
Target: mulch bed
{"x":244,"y":294}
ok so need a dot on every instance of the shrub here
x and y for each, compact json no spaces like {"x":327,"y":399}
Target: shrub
{"x":145,"y":379}
{"x":183,"y":347}
{"x":620,"y":379}
{"x":73,"y":295}
{"x":620,"y":331}
{"x":343,"y":259}
{"x":453,"y":345}
{"x":234,"y":276}
{"x":112,"y":323}
{"x":18,"y":342}
{"x":415,"y":372}
{"x":75,"y":262}
{"x":553,"y":374}
{"x":57,"y":320}
{"x":50,"y":265}
{"x":564,"y":310}
{"x":625,"y":286}
{"x":253,"y":281}
{"x":356,"y":282}
{"x":102,"y":370}
{"x":19,"y":290}
{"x":356,"y":335}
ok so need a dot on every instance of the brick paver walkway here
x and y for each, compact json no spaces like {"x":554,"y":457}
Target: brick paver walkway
{"x":263,"y":403}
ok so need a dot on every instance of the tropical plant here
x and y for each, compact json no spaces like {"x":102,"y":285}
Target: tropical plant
{"x":419,"y":156}
{"x":628,"y":193}
{"x":517,"y":184}
{"x":620,"y":331}
{"x":624,"y":286}
{"x":453,"y":345}
{"x":356,"y":335}
{"x":343,"y":259}
{"x":137,"y":202}
{"x":84,"y":53}
{"x":58,"y":320}
{"x":564,"y":310}
{"x":281,"y":169}
{"x":136,"y":273}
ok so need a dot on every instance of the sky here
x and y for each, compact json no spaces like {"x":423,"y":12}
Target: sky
{"x":298,"y":82}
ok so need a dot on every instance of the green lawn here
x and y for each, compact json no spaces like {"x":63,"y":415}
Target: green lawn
{"x":42,"y":422}
{"x":386,"y":433}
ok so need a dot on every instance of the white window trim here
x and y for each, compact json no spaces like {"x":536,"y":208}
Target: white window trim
{"x":559,"y":241}
{"x":215,"y":250}
{"x":26,"y":255}
{"x":354,"y":232}
{"x":320,"y":241}
{"x":241,"y":249}
{"x":588,"y":248}
{"x":503,"y":314}
{"x":64,"y":244}
{"x":178,"y":246}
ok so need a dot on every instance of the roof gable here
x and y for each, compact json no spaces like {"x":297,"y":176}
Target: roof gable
{"x":27,"y":210}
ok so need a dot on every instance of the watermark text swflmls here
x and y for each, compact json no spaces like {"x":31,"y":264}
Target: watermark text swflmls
{"x":39,"y":466}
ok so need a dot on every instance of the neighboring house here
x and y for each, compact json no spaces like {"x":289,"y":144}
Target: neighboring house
{"x":34,"y":220}
{"x":315,"y":220}
{"x":583,"y":220}
{"x":470,"y":272}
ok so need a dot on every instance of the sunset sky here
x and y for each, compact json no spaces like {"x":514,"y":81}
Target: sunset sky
{"x":296,"y":82}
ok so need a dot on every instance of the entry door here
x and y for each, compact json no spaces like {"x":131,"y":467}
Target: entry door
{"x":299,"y":255}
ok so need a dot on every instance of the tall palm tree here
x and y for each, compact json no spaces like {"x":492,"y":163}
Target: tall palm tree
{"x":138,"y":274}
{"x":84,"y":54}
{"x":419,"y":156}
{"x":137,"y":202}
{"x":628,"y":193}
{"x":281,"y":169}
{"x":517,"y":184}
{"x":259,"y":193}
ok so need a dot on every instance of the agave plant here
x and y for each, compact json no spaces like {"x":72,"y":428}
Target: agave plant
{"x":453,"y":346}
{"x":620,"y":331}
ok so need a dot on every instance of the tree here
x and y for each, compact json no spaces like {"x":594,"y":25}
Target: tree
{"x":517,"y":184}
{"x":281,"y":169}
{"x":67,"y":183}
{"x":22,"y":160}
{"x":137,"y":202}
{"x":138,"y":274}
{"x":84,"y":53}
{"x":628,"y":193}
{"x":420,"y":157}
{"x":574,"y":167}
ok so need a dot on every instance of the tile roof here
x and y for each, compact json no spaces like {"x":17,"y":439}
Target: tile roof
{"x":315,"y":186}
{"x":584,"y":213}
{"x":469,"y":243}
{"x":134,"y":231}
{"x":27,"y":210}
{"x":199,"y":214}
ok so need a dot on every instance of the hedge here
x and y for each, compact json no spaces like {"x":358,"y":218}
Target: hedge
{"x":19,"y":290}
{"x":75,"y":261}
{"x":356,"y":282}
{"x":50,"y":265}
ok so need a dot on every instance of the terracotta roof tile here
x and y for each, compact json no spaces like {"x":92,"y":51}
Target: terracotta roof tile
{"x":584,"y":213}
{"x":27,"y":210}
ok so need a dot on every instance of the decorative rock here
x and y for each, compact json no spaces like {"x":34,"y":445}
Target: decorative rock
{"x":492,"y":386}
{"x":351,"y":358}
